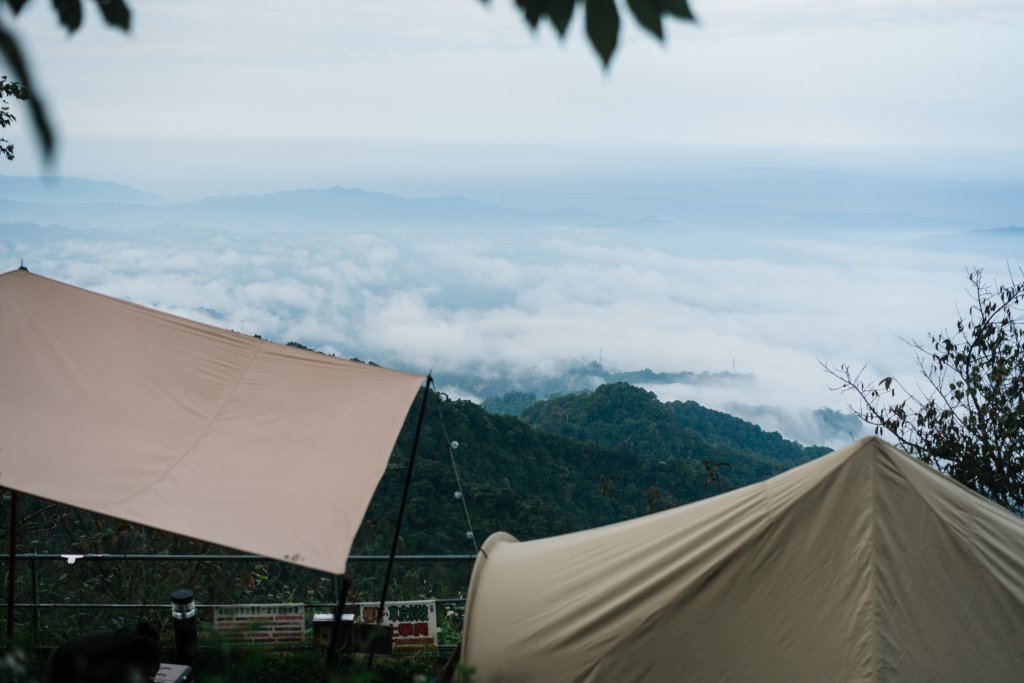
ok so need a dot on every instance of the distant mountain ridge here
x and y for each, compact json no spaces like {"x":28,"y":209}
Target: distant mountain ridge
{"x":81,"y":203}
{"x":71,"y":190}
{"x":1007,"y":241}
{"x":354,"y":207}
{"x":86,"y":203}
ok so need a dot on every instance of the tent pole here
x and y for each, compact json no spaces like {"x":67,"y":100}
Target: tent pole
{"x":12,"y":546}
{"x":339,"y":610}
{"x":401,"y":507}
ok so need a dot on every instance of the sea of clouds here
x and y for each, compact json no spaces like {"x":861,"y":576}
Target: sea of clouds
{"x":768,"y":303}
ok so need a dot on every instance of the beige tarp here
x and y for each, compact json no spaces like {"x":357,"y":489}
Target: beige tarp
{"x":155,"y":419}
{"x":864,"y":565}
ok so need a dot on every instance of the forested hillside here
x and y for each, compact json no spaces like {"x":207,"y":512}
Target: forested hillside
{"x":630,"y":418}
{"x":570,"y":463}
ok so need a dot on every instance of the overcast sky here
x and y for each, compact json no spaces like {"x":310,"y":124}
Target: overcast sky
{"x":416,"y":96}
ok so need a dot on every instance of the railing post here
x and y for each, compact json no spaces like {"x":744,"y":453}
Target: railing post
{"x":339,"y":616}
{"x":35,"y":601}
{"x":12,"y":556}
{"x":183,"y":615}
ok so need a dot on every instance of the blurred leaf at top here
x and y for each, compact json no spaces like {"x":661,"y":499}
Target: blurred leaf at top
{"x":602,"y":18}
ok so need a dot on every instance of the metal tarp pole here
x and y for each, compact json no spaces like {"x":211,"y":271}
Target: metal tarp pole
{"x":401,"y":507}
{"x":336,"y":627}
{"x":12,"y":545}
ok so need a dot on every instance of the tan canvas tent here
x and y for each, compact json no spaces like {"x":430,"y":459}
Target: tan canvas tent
{"x":145,"y":416}
{"x":863,"y":565}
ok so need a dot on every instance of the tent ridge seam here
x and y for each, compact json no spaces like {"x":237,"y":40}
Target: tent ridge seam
{"x":875,"y":464}
{"x":220,"y":409}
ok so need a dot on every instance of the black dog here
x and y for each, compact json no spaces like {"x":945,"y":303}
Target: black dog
{"x":121,"y":656}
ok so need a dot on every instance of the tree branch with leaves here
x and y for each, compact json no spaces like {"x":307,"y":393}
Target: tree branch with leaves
{"x":603,"y":18}
{"x":115,"y":13}
{"x":9,"y":90}
{"x":967,"y":416}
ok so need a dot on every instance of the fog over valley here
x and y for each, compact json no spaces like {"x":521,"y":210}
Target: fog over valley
{"x":733,"y":312}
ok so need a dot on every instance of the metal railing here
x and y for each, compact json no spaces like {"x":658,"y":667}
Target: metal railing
{"x":33,"y":559}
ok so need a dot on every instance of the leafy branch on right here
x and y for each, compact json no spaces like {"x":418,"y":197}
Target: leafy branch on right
{"x":966,"y":418}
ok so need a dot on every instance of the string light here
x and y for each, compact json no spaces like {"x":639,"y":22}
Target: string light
{"x":460,"y":495}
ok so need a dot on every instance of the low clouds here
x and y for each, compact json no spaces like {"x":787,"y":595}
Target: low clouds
{"x":536,"y":302}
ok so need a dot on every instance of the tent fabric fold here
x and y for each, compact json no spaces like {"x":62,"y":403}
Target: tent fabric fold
{"x":159,"y":420}
{"x":863,"y":565}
